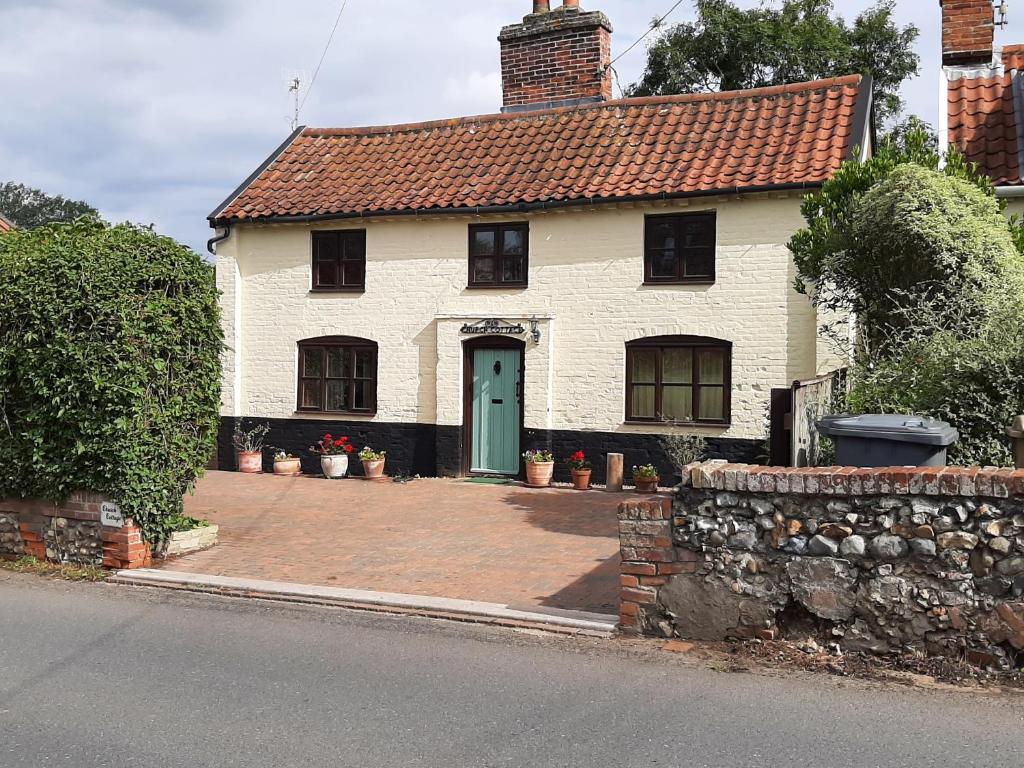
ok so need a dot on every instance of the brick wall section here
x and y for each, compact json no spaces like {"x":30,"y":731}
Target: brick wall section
{"x":557,"y":56}
{"x":968,"y":32}
{"x":70,"y":532}
{"x":648,"y":556}
{"x":892,"y":559}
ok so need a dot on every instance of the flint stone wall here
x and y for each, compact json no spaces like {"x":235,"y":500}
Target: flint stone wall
{"x":882,"y":560}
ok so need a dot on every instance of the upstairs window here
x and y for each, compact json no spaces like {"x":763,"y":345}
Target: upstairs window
{"x":339,"y":260}
{"x":338,"y":374}
{"x":499,"y":255}
{"x":678,"y":378}
{"x":680,"y":249}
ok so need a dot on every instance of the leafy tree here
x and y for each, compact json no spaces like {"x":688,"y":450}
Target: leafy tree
{"x":29,"y":208}
{"x":109,"y":367}
{"x":728,"y":48}
{"x":839,"y":271}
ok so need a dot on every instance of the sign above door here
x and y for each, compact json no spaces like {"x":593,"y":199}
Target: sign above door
{"x":493,"y":326}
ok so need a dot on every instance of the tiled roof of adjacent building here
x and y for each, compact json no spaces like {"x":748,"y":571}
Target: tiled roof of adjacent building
{"x":641,"y":148}
{"x":983,"y":105}
{"x":5,"y":224}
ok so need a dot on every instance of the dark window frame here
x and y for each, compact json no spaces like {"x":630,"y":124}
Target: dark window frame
{"x":499,"y":256}
{"x":341,"y":260}
{"x":695,"y":344}
{"x":351,"y":346}
{"x":681,"y":277}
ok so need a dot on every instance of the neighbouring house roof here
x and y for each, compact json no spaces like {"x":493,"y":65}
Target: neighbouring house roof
{"x":5,"y":224}
{"x":983,"y":104}
{"x":791,"y":136}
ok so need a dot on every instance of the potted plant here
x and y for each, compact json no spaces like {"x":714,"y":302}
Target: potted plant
{"x":581,"y":469}
{"x":682,"y":448}
{"x":334,"y":453}
{"x":540,"y":465}
{"x":286,"y":464}
{"x":249,"y":445}
{"x":373,"y":463}
{"x":645,"y":478}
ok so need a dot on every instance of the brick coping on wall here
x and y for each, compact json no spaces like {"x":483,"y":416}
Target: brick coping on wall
{"x":859,"y":481}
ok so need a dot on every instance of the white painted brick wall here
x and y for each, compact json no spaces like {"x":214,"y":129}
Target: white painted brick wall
{"x":586,"y":274}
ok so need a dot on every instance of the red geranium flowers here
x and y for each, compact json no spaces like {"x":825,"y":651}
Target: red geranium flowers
{"x":331,"y":446}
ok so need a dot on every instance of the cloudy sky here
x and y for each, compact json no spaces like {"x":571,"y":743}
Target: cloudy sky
{"x":154,"y":110}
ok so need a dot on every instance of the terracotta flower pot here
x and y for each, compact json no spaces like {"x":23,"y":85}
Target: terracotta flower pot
{"x":250,"y":462}
{"x":334,"y":467}
{"x":538,"y":473}
{"x":373,"y":470}
{"x":288,"y":467}
{"x":581,"y":479}
{"x":646,"y":484}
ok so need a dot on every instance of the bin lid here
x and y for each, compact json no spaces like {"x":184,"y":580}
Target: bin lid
{"x":887,"y":426}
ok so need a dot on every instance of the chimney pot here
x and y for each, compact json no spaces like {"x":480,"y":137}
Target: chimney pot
{"x":541,"y":6}
{"x":571,"y":3}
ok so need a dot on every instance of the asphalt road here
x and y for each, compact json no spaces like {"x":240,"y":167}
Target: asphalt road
{"x":100,"y":675}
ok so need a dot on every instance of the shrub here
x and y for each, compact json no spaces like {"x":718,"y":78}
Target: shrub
{"x":924,"y":237}
{"x":109,"y":367}
{"x":836,"y":272}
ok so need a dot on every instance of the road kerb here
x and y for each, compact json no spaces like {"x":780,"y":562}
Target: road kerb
{"x":575,"y":622}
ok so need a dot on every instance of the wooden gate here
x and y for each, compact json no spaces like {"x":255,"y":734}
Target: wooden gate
{"x":812,"y":399}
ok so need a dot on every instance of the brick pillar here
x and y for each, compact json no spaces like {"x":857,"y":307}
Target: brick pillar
{"x":648,"y":559}
{"x":33,"y":539}
{"x":124,"y":547}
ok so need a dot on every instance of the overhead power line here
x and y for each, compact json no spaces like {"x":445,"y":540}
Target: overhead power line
{"x":323,"y":56}
{"x":656,"y":24}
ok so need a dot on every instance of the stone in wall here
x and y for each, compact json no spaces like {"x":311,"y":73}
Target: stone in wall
{"x":869,"y":565}
{"x":10,"y":538}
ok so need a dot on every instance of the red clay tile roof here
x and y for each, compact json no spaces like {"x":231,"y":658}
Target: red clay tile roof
{"x":982,"y":118}
{"x":666,"y":146}
{"x":5,"y":225}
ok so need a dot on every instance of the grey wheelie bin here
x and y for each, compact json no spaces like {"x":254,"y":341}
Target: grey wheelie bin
{"x":888,"y":440}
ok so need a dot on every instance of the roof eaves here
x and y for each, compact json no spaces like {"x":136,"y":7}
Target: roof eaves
{"x":255,"y":174}
{"x":523,"y":207}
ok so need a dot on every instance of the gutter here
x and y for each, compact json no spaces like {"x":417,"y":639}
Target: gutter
{"x":1010,"y":192}
{"x":212,"y":242}
{"x":544,"y":205}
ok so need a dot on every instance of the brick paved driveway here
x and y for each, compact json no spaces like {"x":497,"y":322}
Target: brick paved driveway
{"x":521,"y":547}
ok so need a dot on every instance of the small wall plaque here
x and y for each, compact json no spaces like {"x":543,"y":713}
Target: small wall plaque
{"x":111,"y":515}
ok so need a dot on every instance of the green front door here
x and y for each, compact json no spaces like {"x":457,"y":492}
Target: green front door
{"x":495,"y":438}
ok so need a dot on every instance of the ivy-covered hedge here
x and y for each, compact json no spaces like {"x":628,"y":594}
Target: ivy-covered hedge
{"x":110,"y":344}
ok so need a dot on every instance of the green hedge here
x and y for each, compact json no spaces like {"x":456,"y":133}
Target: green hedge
{"x":110,"y":344}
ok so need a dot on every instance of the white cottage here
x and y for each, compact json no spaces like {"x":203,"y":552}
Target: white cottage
{"x":568,"y":273}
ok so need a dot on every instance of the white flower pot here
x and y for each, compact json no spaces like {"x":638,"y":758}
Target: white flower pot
{"x":334,"y":467}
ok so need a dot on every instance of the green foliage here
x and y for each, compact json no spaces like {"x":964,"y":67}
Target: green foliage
{"x":28,"y":208}
{"x":834,"y":268}
{"x":109,"y":367}
{"x":919,"y":236}
{"x":729,"y":48}
{"x":974,"y":381}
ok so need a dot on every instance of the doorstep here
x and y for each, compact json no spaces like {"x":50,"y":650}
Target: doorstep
{"x":553,"y":620}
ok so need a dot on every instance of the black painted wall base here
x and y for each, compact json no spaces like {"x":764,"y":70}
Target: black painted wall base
{"x":432,"y":450}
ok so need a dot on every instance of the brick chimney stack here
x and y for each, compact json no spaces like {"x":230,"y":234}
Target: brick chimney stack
{"x":968,"y":32}
{"x":556,"y":57}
